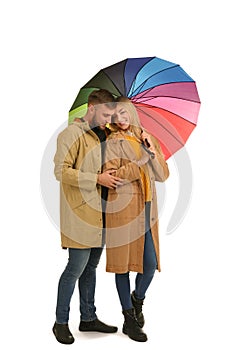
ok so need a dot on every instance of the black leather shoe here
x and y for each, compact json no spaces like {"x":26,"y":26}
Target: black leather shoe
{"x":96,"y":326}
{"x":62,"y":333}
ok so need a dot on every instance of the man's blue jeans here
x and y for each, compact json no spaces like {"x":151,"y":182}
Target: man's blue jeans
{"x":81,"y":266}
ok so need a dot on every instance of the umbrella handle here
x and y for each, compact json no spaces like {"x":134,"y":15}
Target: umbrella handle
{"x":145,"y":140}
{"x":147,"y":144}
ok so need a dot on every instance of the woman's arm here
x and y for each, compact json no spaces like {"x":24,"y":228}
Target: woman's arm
{"x":158,"y":162}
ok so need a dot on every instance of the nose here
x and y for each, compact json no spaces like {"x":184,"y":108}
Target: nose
{"x":119,"y":118}
{"x":108,"y":119}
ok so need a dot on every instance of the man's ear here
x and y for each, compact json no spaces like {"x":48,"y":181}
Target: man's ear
{"x":91,"y":108}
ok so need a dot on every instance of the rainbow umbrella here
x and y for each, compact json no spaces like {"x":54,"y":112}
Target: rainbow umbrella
{"x":164,"y":95}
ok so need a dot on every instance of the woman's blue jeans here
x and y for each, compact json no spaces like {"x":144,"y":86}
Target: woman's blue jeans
{"x":81,"y":266}
{"x":142,"y":280}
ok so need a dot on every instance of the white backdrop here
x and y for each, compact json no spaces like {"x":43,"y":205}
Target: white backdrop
{"x":49,"y":49}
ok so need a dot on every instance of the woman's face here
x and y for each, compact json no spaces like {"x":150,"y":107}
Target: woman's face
{"x":122,"y":118}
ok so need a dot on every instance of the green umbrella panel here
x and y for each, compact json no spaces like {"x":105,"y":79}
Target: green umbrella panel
{"x":100,"y":81}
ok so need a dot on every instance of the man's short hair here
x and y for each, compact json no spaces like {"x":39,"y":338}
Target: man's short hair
{"x":101,"y":96}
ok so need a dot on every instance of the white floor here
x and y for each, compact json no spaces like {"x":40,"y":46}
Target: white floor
{"x":188,"y":305}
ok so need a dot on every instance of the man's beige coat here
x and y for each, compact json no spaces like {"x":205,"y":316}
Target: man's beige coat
{"x":77,"y":164}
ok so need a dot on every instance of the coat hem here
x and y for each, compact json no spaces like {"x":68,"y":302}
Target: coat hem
{"x":125,"y":270}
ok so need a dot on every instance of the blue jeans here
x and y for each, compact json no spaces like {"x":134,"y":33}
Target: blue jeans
{"x":142,"y":280}
{"x":81,"y":266}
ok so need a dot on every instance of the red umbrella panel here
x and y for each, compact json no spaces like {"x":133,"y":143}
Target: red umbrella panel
{"x":164,"y":95}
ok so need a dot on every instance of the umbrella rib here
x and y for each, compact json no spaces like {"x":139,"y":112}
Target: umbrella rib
{"x":148,"y":115}
{"x":124,"y":76}
{"x":162,"y":70}
{"x":135,"y":98}
{"x":111,"y":81}
{"x":154,"y":97}
{"x":167,"y":110}
{"x":107,"y":76}
{"x":136,"y":73}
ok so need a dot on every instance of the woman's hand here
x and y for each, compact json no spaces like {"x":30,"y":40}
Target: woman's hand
{"x":146,"y":138}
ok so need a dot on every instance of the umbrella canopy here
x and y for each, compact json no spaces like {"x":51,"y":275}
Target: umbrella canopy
{"x":164,"y":95}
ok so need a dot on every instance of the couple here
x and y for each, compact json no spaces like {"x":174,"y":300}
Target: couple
{"x":107,"y":195}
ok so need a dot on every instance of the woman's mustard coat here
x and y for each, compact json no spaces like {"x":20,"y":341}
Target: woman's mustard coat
{"x":125,"y":211}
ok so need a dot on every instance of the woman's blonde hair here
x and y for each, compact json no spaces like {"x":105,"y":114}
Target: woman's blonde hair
{"x":135,"y":125}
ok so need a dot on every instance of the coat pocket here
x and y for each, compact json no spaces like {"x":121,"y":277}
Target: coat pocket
{"x":76,"y":198}
{"x":129,"y":187}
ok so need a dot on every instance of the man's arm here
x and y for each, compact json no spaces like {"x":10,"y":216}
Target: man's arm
{"x":108,"y":179}
{"x":65,"y":158}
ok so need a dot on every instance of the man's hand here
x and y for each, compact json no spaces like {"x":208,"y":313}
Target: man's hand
{"x":108,"y":179}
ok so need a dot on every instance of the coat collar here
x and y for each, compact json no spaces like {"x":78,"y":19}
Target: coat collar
{"x":82,"y":123}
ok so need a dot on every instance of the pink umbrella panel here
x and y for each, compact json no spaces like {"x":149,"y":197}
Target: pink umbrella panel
{"x":170,"y":113}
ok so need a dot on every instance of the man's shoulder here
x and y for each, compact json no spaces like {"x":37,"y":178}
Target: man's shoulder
{"x":69,"y":135}
{"x":72,"y":130}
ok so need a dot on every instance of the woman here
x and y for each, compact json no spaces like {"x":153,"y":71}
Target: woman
{"x":131,"y":214}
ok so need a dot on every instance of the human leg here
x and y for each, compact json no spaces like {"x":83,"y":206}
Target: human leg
{"x":78,"y":259}
{"x":143,"y":280}
{"x":123,"y":288}
{"x":87,"y":282}
{"x":130,"y":326}
{"x":76,"y":263}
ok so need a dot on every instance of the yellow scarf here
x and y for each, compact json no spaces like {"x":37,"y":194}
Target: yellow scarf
{"x":143,"y":170}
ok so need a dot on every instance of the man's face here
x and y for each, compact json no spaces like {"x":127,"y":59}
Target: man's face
{"x":102,"y":116}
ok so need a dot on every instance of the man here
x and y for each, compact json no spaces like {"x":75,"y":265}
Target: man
{"x":83,"y":187}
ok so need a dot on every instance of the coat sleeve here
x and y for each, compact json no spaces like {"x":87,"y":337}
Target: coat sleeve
{"x":65,"y":159}
{"x":159,"y":164}
{"x":114,"y":161}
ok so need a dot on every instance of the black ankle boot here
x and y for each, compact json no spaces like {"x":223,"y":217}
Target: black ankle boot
{"x":131,"y":326}
{"x":137,"y":304}
{"x":62,"y":333}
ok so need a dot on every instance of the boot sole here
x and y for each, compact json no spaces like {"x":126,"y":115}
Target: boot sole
{"x":135,"y":339}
